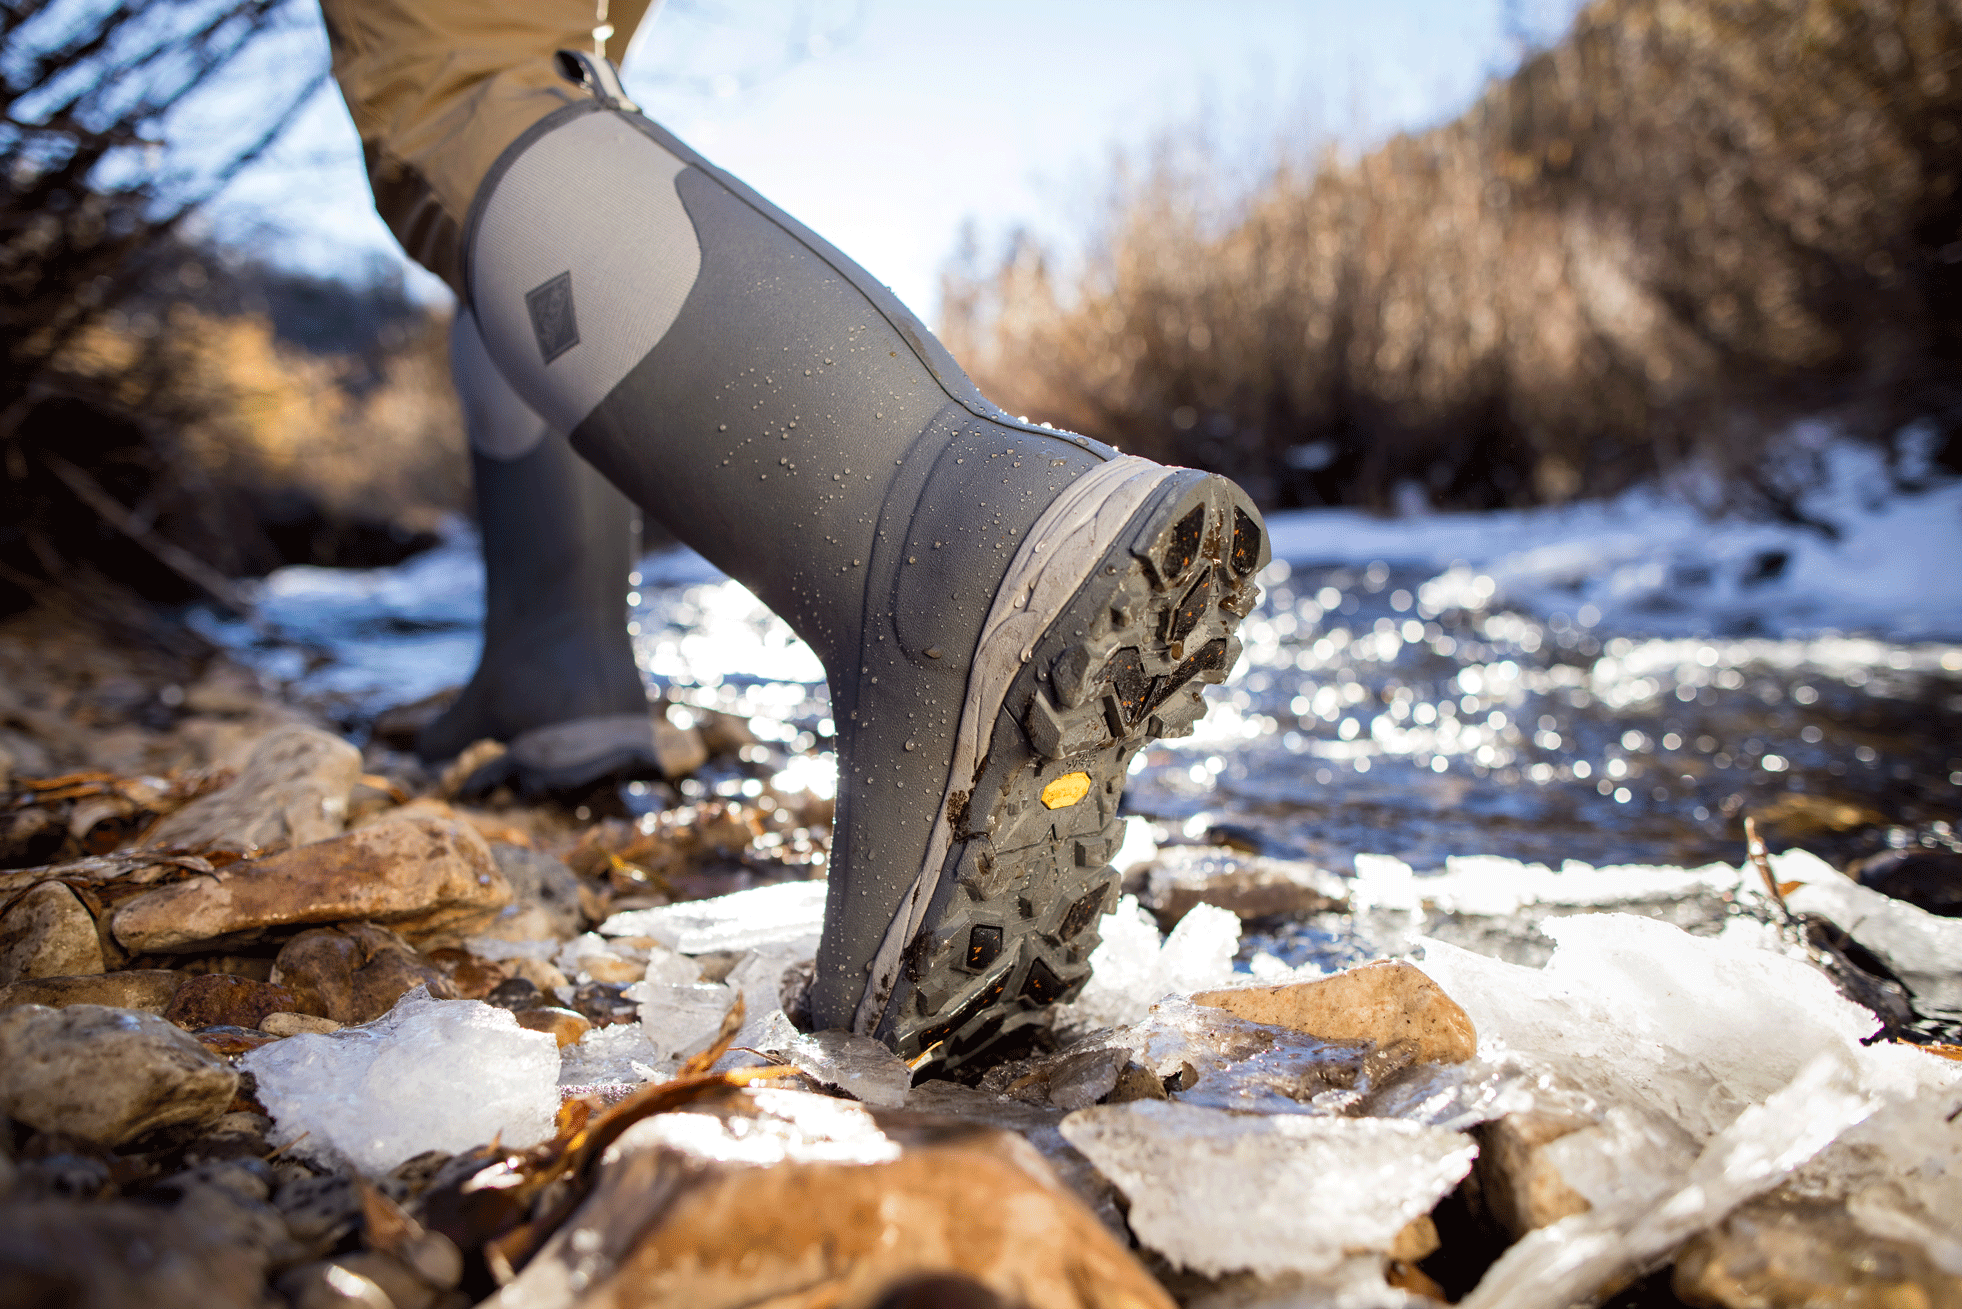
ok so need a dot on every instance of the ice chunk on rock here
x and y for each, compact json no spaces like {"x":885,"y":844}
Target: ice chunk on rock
{"x":1132,"y":968}
{"x":786,"y":913}
{"x":1217,"y":1192}
{"x":1637,"y":1011}
{"x":1578,"y":1257}
{"x":857,"y":1065}
{"x":1924,"y":950}
{"x":428,"y":1075}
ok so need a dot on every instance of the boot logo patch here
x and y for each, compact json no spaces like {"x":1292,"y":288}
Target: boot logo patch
{"x":552,"y":320}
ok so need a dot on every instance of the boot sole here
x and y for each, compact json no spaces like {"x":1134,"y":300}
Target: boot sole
{"x":1010,"y":920}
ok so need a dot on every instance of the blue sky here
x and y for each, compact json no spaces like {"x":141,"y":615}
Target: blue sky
{"x":887,"y":124}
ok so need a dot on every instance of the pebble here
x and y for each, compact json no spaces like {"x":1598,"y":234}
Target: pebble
{"x":147,"y":989}
{"x":48,"y":932}
{"x":219,"y":999}
{"x":1519,"y":1180}
{"x":418,"y":876}
{"x":289,"y":1024}
{"x":565,"y":1026}
{"x":516,"y":994}
{"x":1389,"y":1003}
{"x":603,"y":1004}
{"x":293,"y":790}
{"x":106,"y":1075}
{"x":354,"y":973}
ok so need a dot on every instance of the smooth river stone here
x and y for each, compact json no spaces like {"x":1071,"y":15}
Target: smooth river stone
{"x":107,"y":1075}
{"x":48,"y":933}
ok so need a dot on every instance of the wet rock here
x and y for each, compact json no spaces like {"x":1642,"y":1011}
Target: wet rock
{"x":1070,"y":1079}
{"x":419,"y":876}
{"x":1388,"y":1003}
{"x":1790,"y":1252}
{"x":48,"y":932}
{"x":218,"y":999}
{"x":563,"y":1025}
{"x":799,"y":1196}
{"x":604,"y":1004}
{"x":233,"y":1137}
{"x":354,"y":973}
{"x":106,"y":1075}
{"x":470,"y":978}
{"x":147,"y":989}
{"x":516,"y":994}
{"x":366,"y":1278}
{"x":292,"y":1024}
{"x":1247,"y":886}
{"x":319,"y":1210}
{"x":125,"y":1255}
{"x":1929,"y":879}
{"x":544,"y":896}
{"x":292,"y":791}
{"x":230,"y":1039}
{"x":1519,"y":1180}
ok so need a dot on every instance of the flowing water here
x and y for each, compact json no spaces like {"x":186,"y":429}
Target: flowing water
{"x":1381,"y":708}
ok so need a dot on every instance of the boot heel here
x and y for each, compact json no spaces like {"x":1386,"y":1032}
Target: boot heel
{"x":1010,"y":928}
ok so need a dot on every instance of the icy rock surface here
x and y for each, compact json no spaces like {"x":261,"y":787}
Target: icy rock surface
{"x":857,"y":1065}
{"x":767,"y":915}
{"x":429,"y":1075}
{"x":1134,"y":967}
{"x":1217,"y":1192}
{"x":1924,"y":950}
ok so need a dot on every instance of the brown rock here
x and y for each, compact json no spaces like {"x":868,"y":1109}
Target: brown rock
{"x":230,"y":1039}
{"x":217,"y":999}
{"x":1522,"y":1188}
{"x":148,"y":990}
{"x":292,"y":1024}
{"x":564,"y":1025}
{"x":354,"y":973}
{"x":472,"y":978}
{"x":857,"y":1206}
{"x":106,"y":1075}
{"x":1248,"y":886}
{"x":420,"y":876}
{"x":48,"y":932}
{"x":1388,"y":1003}
{"x":1775,"y":1251}
{"x":293,"y":790}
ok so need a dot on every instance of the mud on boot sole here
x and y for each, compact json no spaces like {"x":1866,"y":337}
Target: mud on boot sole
{"x":1009,"y":927}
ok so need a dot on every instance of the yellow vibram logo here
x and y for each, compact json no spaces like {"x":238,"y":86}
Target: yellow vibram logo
{"x":1066,"y":790}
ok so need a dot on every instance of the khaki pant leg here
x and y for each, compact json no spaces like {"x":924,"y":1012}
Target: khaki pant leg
{"x":438,"y":89}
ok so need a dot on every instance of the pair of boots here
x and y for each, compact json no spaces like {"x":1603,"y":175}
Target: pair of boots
{"x":1006,"y":613}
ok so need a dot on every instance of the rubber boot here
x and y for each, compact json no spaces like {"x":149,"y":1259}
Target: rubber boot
{"x":556,"y":678}
{"x":1006,"y":613}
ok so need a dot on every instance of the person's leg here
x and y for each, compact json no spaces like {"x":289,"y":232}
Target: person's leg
{"x":1006,"y":613}
{"x":557,"y":678}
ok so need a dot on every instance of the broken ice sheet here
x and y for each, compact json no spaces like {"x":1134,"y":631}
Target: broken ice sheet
{"x":1924,"y":950}
{"x":428,"y":1075}
{"x":1133,"y":968}
{"x":782,"y":914}
{"x":1217,"y":1192}
{"x":1577,"y":1257}
{"x":1638,"y":1012}
{"x":857,"y":1065}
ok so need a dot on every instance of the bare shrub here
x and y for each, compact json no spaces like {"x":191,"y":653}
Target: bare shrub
{"x":1640,"y":255}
